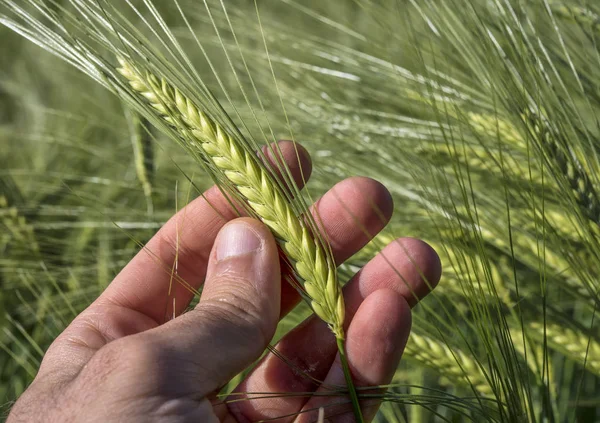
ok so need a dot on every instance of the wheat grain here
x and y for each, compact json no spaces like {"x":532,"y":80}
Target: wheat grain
{"x":307,"y":256}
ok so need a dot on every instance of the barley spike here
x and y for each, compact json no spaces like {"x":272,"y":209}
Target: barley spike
{"x":575,"y":345}
{"x":453,"y":364}
{"x":307,"y":256}
{"x":580,"y":183}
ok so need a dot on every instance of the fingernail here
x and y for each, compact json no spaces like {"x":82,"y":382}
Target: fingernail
{"x":236,"y":239}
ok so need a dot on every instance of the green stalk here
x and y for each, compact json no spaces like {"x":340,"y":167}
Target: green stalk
{"x":349,"y":383}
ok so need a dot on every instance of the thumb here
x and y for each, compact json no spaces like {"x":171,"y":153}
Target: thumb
{"x":238,"y":310}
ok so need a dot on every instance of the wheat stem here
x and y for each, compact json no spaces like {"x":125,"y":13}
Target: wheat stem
{"x":348,"y":376}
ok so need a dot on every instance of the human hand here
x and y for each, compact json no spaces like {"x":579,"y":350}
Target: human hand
{"x":124,"y":359}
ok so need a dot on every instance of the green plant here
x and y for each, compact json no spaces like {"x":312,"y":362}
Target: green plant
{"x":479,"y":116}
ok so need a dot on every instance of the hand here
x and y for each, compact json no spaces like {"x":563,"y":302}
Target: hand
{"x":126,"y":359}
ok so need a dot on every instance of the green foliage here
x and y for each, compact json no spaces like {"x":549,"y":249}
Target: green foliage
{"x":481,"y":117}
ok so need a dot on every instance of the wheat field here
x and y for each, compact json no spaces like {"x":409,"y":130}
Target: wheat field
{"x":480,"y":116}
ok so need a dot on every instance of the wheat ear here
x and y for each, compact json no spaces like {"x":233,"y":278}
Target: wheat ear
{"x":306,"y":255}
{"x":453,"y":364}
{"x":568,"y":163}
{"x":577,"y":346}
{"x":16,"y":226}
{"x":242,"y":168}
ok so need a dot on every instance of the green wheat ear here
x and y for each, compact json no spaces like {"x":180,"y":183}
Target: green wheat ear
{"x":579,"y":347}
{"x":16,"y":226}
{"x":307,"y":256}
{"x":452,"y":363}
